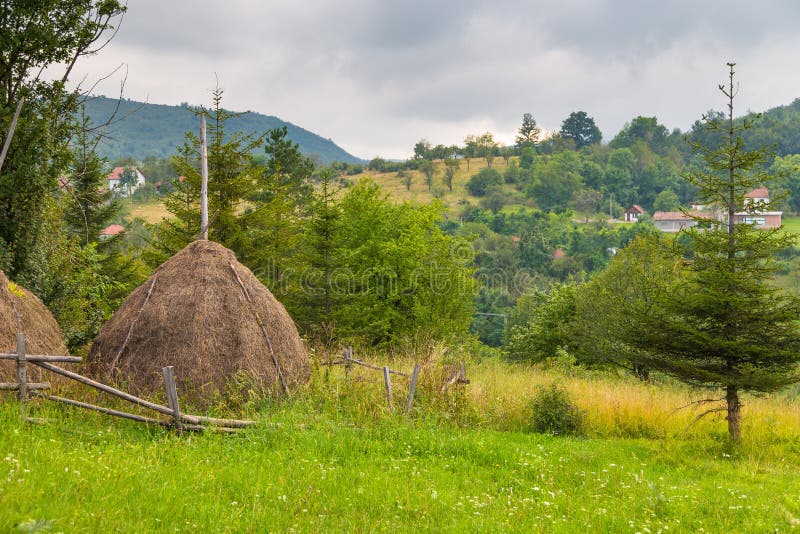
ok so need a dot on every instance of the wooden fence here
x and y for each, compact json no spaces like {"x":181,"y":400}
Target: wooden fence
{"x":347,"y":360}
{"x":177,"y":420}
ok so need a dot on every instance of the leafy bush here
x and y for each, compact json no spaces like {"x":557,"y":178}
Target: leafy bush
{"x":480,"y":183}
{"x":555,"y":413}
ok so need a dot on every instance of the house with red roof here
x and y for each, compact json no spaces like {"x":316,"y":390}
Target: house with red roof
{"x":632,"y":214}
{"x":757,"y":212}
{"x":111,"y":231}
{"x":115,"y":177}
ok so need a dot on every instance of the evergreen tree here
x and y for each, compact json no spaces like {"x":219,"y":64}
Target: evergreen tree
{"x":277,"y":205}
{"x":322,"y":256}
{"x":528,"y":133}
{"x":725,"y":325}
{"x":231,"y":174}
{"x":90,"y":206}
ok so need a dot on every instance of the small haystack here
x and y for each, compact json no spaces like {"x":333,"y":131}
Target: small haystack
{"x":22,"y":311}
{"x":208,"y":316}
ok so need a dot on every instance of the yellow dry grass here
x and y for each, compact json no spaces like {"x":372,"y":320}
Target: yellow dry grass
{"x":621,"y":405}
{"x":394,"y":186}
{"x":151,"y":212}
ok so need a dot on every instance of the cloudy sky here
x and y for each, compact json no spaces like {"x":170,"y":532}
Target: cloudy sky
{"x":376,"y":76}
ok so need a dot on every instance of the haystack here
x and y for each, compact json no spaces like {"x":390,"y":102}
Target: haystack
{"x":22,"y":311}
{"x":208,"y":316}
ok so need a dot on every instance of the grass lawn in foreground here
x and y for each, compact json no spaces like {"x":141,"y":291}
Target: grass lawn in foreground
{"x":300,"y":471}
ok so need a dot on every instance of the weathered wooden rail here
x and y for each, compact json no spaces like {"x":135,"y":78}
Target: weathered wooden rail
{"x":348,"y":361}
{"x":177,"y":420}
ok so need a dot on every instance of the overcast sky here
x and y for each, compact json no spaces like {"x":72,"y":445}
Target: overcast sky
{"x":376,"y":76}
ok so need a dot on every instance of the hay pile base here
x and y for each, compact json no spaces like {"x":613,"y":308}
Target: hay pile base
{"x":22,"y":311}
{"x":208,"y":316}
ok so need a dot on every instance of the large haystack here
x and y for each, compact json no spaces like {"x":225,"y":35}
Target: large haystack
{"x":208,"y":316}
{"x":22,"y":311}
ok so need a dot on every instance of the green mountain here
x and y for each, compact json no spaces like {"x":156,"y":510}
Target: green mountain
{"x":140,"y":129}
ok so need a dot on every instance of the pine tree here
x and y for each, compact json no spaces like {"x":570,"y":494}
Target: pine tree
{"x":322,"y":254}
{"x":231,"y":175}
{"x":90,"y":206}
{"x":726,"y":326}
{"x":528,"y":133}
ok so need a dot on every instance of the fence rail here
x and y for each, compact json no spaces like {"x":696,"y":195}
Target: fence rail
{"x":179,"y":421}
{"x":348,"y":361}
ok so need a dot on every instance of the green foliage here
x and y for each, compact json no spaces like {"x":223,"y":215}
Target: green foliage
{"x":528,"y":133}
{"x":556,"y":181}
{"x":400,"y":275}
{"x":555,"y":413}
{"x":89,"y":206}
{"x":546,"y":330}
{"x":615,"y":304}
{"x":483,"y":180}
{"x":427,"y":168}
{"x":81,"y":283}
{"x":33,"y":37}
{"x":667,"y":200}
{"x":580,"y":129}
{"x":450,"y":169}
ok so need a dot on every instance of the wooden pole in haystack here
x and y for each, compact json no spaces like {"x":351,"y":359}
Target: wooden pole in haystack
{"x":10,"y":134}
{"x":204,"y":174}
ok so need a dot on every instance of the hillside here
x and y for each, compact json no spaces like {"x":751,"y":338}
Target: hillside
{"x":142,"y":129}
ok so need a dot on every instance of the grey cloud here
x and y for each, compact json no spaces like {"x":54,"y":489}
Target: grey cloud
{"x":382,"y":74}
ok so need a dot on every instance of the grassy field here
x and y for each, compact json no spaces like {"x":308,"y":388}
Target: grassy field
{"x":393,"y":185}
{"x":334,"y":459}
{"x":151,"y":212}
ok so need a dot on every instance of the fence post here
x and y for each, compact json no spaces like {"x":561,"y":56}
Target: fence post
{"x":412,"y":388}
{"x":168,"y":373}
{"x":388,"y":382}
{"x":22,"y":374}
{"x":348,"y":353}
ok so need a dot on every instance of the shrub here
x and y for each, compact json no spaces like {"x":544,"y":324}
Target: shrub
{"x":479,"y":184}
{"x":555,"y":413}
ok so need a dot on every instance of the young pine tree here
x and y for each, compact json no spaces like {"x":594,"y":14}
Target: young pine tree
{"x":727,"y":326}
{"x":90,"y":206}
{"x":231,"y":174}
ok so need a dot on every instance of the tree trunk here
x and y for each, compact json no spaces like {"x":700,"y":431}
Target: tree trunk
{"x":734,"y":415}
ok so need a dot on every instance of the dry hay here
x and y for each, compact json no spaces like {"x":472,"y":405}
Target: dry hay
{"x":208,"y":316}
{"x":22,"y":311}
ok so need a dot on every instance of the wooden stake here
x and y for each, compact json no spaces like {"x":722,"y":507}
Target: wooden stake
{"x":348,"y":357}
{"x":388,"y":382}
{"x":168,"y":374}
{"x":204,"y":183}
{"x":10,"y":135}
{"x":22,"y":375}
{"x":412,"y":388}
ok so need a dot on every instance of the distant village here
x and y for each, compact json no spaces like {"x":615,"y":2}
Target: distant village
{"x":756,"y":211}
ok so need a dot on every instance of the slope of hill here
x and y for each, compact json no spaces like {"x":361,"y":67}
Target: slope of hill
{"x":142,"y":129}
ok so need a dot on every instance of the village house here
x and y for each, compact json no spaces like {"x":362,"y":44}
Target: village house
{"x":633,"y":213}
{"x":115,"y":177}
{"x":673,"y":221}
{"x":111,"y":231}
{"x":759,"y":215}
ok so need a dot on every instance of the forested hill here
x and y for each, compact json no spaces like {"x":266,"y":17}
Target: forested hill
{"x":157,"y":130}
{"x":778,"y":127}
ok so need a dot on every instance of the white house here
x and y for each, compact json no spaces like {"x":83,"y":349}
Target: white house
{"x":761,"y":216}
{"x":116,"y":175}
